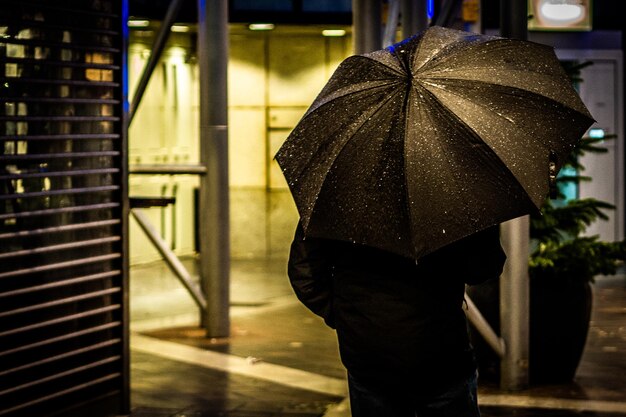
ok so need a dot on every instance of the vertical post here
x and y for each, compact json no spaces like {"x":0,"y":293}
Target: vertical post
{"x":155,"y":56}
{"x":414,"y":17}
{"x":514,"y":285}
{"x":514,"y":304}
{"x":514,"y":19}
{"x":391,"y":27}
{"x":125,"y":406}
{"x":214,"y":221}
{"x":448,"y":12}
{"x":366,"y":20}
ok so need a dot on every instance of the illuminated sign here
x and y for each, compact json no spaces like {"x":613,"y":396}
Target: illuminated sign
{"x":565,"y":15}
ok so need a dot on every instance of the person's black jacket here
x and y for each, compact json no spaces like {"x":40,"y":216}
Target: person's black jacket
{"x":396,"y":320}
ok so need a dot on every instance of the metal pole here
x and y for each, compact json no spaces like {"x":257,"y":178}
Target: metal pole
{"x":484,"y":328}
{"x":514,"y":285}
{"x":414,"y":17}
{"x":514,"y":19}
{"x":448,"y":13}
{"x":514,"y":305}
{"x":214,"y":219}
{"x":167,"y":169}
{"x":155,"y":55}
{"x":366,"y":20}
{"x":170,"y":258}
{"x":391,"y":27}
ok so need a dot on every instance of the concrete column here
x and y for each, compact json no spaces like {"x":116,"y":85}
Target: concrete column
{"x":367,"y":27}
{"x":514,"y":19}
{"x":214,"y":218}
{"x":514,"y":305}
{"x":391,"y":26}
{"x":414,"y":17}
{"x":514,"y":285}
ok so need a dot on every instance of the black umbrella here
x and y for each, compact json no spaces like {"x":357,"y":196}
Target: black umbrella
{"x":437,"y":137}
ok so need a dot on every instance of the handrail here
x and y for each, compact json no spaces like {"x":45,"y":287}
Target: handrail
{"x":167,"y":169}
{"x":483,"y":327}
{"x":170,"y":258}
{"x":157,"y":50}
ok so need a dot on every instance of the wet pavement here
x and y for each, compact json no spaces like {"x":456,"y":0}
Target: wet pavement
{"x":280,"y":360}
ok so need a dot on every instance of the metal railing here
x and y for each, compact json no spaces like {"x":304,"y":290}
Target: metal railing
{"x":168,"y":255}
{"x":213,"y":228}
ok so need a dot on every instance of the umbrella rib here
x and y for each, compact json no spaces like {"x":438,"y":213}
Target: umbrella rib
{"x":395,"y":77}
{"x":513,"y":125}
{"x":449,"y":115}
{"x":459,"y":122}
{"x":348,"y":91}
{"x":483,"y":104}
{"x":365,"y":119}
{"x":459,"y":119}
{"x":515,"y":92}
{"x":399,"y":72}
{"x":406,"y":185}
{"x":325,"y":103}
{"x":407,"y":198}
{"x":425,"y":80}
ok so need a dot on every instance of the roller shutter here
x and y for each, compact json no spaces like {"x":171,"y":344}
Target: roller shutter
{"x":63,"y":208}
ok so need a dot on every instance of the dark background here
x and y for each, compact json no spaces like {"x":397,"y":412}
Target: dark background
{"x":605,"y":13}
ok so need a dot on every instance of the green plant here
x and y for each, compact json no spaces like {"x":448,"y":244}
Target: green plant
{"x":560,"y":251}
{"x":563,"y":264}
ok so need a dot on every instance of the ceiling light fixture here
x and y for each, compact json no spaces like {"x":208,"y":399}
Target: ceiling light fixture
{"x":138,"y":23}
{"x":261,"y":26}
{"x":560,"y":14}
{"x":334,"y":32}
{"x":180,"y":28}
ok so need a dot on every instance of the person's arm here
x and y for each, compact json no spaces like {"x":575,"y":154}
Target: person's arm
{"x":310,"y":275}
{"x":478,"y":257}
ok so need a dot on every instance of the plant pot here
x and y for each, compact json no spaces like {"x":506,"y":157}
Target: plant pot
{"x":560,"y":311}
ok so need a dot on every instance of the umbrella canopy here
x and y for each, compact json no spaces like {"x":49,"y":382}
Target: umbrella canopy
{"x":437,"y":137}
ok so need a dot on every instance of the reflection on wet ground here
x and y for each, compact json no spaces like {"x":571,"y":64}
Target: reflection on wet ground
{"x":280,"y":360}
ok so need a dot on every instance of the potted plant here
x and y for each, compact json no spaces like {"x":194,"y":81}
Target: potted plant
{"x":562,"y":267}
{"x":563,"y":264}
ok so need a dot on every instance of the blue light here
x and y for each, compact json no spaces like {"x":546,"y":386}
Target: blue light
{"x":596,"y":133}
{"x":567,"y":188}
{"x":124,"y":69}
{"x":430,"y":8}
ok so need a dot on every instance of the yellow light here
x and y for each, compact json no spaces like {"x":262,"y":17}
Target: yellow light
{"x":180,"y":28}
{"x":261,"y":26}
{"x":138,"y":23}
{"x":560,"y":14}
{"x":334,"y":32}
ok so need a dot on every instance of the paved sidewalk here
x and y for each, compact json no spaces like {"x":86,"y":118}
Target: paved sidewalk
{"x":282,"y":361}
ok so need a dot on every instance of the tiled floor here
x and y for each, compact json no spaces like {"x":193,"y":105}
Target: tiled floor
{"x":282,"y":361}
{"x":169,"y":388}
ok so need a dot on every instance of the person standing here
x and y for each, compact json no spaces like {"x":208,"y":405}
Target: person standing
{"x":400,"y":324}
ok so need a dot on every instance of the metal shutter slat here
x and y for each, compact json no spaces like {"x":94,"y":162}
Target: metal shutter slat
{"x":60,"y":265}
{"x":59,"y":320}
{"x":59,"y":229}
{"x":47,"y":212}
{"x":63,"y":246}
{"x":63,"y":207}
{"x":64,"y":337}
